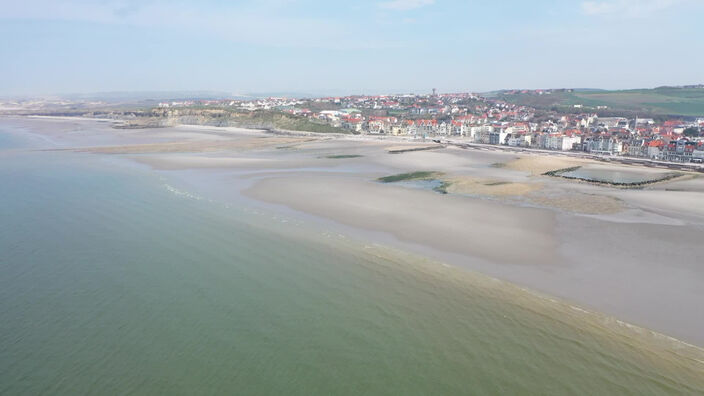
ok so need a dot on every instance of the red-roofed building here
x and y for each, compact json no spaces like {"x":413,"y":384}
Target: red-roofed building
{"x":655,"y":148}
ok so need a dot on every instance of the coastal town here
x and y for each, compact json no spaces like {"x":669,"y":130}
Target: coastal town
{"x":471,"y":118}
{"x":457,"y":118}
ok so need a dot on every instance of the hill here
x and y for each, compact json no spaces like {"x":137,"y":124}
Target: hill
{"x":222,"y":117}
{"x":661,"y":101}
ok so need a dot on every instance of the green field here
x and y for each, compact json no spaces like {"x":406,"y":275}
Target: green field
{"x":672,"y":101}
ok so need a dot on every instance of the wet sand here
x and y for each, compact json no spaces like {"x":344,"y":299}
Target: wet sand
{"x":489,"y":187}
{"x":537,"y":164}
{"x":417,"y":216}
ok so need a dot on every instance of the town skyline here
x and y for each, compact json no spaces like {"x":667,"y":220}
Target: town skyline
{"x":242,"y":95}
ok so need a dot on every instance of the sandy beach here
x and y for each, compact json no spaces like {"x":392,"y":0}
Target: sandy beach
{"x":414,"y":216}
{"x":627,"y":253}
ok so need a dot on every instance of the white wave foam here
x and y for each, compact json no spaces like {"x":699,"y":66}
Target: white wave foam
{"x":185,"y":194}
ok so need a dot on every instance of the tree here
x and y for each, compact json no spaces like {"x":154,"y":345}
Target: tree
{"x":691,"y":132}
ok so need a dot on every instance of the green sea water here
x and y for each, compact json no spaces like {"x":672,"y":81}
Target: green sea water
{"x":114,"y":282}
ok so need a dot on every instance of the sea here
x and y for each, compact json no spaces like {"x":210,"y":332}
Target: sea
{"x":113,"y":281}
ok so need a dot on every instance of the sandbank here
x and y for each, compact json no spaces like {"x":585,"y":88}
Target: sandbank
{"x":418,"y":216}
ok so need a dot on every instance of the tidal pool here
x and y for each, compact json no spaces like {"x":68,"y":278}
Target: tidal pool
{"x":612,"y":176}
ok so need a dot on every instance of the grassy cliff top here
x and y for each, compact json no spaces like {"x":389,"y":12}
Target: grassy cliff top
{"x":673,"y":101}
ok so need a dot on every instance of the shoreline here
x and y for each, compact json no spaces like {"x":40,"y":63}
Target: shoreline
{"x":312,"y":228}
{"x":275,"y":284}
{"x":622,"y":160}
{"x":509,"y":291}
{"x":289,"y":178}
{"x":531,"y":277}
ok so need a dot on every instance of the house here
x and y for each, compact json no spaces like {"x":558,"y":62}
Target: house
{"x":698,"y":151}
{"x":381,"y":125}
{"x":604,"y":145}
{"x":654,"y":148}
{"x":458,"y":128}
{"x":399,"y":130}
{"x":411,"y":128}
{"x":612,"y":122}
{"x":519,"y":140}
{"x":426,"y":127}
{"x":561,"y":142}
{"x":353,"y":124}
{"x":498,"y":136}
{"x":480,"y":134}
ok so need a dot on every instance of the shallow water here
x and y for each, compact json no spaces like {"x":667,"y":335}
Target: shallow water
{"x":115,"y":282}
{"x":613,"y":176}
{"x":424,"y":184}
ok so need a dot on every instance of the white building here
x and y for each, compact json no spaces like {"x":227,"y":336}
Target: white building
{"x":561,"y":142}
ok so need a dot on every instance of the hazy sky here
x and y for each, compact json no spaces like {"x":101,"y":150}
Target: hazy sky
{"x":52,"y":46}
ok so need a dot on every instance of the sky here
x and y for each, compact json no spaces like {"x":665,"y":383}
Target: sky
{"x":347,"y":47}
